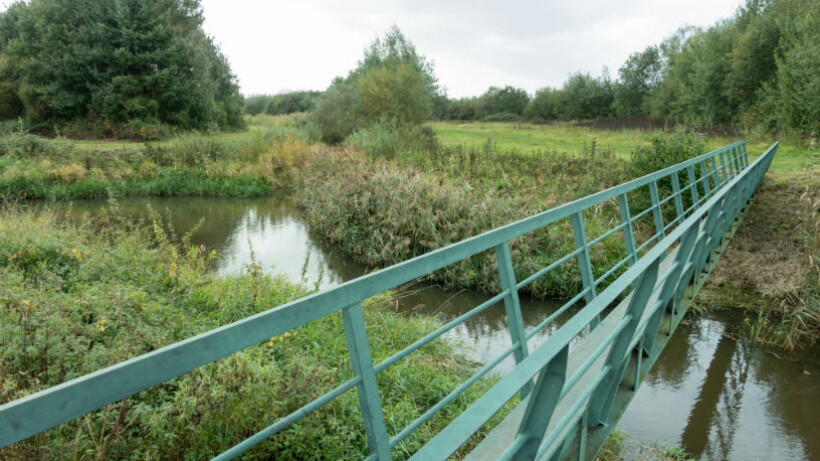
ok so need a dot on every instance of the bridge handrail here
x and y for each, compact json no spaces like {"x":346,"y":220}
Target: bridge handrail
{"x":468,"y":422}
{"x":45,"y":409}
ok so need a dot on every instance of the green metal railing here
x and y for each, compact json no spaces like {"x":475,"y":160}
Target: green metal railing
{"x":570,"y":385}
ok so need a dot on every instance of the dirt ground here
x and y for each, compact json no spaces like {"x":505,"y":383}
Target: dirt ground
{"x":771,"y":265}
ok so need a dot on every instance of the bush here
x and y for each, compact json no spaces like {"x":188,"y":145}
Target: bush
{"x":666,"y":150}
{"x":392,"y":81}
{"x":389,"y":138}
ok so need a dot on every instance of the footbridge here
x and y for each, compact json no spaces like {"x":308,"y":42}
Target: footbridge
{"x":670,"y":226}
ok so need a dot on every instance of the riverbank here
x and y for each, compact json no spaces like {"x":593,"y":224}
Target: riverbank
{"x":772,"y":267}
{"x":79,"y":297}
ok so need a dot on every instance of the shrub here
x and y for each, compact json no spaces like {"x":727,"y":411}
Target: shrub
{"x":392,"y":81}
{"x":666,"y":150}
{"x":389,"y":138}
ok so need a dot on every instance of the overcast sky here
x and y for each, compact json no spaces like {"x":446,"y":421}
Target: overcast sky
{"x":276,"y":45}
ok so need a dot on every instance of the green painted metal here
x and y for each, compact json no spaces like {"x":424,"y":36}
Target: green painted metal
{"x":511,"y":302}
{"x":369,"y":399}
{"x":656,"y":207}
{"x":579,"y":391}
{"x":629,"y":235}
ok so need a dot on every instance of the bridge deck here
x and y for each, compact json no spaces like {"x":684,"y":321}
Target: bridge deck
{"x":568,"y":408}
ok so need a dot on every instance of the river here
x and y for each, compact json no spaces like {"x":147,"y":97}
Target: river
{"x":718,"y":397}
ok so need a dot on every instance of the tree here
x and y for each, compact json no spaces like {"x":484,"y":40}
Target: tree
{"x":544,"y":106}
{"x":795,"y":96}
{"x":397,"y":92}
{"x":638,"y":77}
{"x":392,"y":81}
{"x":507,"y":100}
{"x":752,"y":58}
{"x":117,"y":61}
{"x":585,"y":97}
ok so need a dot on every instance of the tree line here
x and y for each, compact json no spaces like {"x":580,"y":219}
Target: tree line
{"x":760,"y":68}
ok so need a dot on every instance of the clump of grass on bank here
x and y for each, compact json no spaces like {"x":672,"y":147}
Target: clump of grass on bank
{"x":772,"y":266}
{"x":382,"y":213}
{"x":78,"y":298}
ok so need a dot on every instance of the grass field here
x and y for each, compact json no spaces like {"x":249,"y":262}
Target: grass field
{"x":792,"y":156}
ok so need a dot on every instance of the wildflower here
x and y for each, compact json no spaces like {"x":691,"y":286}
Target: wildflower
{"x":174,"y":266}
{"x":27,"y":303}
{"x":270,"y":343}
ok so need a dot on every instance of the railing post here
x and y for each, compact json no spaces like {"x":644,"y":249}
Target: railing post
{"x":723,"y":167}
{"x":678,"y":200}
{"x":736,"y":158}
{"x":704,"y":243}
{"x":687,"y":244}
{"x":584,"y":261}
{"x":629,"y":235}
{"x":602,"y":399}
{"x":368,"y":390}
{"x":705,"y":177}
{"x":512,"y":304}
{"x":693,"y":187}
{"x":541,"y":406}
{"x":656,"y":209}
{"x":714,"y":172}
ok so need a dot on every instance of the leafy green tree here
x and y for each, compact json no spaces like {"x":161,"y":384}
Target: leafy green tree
{"x":795,"y":96}
{"x":753,"y":54}
{"x":397,"y":92}
{"x":585,"y":97}
{"x":507,"y":100}
{"x":544,"y":106}
{"x":638,"y":77}
{"x":393,"y":81}
{"x":117,"y":61}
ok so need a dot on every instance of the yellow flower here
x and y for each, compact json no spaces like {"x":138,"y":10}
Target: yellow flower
{"x":27,"y":303}
{"x":102,"y":320}
{"x":270,"y":343}
{"x":174,"y":265}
